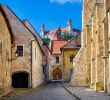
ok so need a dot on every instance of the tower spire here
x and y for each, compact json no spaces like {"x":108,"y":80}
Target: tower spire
{"x":43,"y":30}
{"x":70,"y":26}
{"x":70,"y":22}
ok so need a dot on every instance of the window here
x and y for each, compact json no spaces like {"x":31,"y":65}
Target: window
{"x":78,"y":45}
{"x":20,"y":51}
{"x":71,"y":58}
{"x":57,"y":59}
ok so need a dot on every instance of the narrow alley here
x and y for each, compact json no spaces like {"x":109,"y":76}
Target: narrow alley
{"x":53,"y":91}
{"x":56,"y":91}
{"x":55,"y":50}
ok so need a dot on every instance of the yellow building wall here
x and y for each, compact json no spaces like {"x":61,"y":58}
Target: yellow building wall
{"x":67,"y":64}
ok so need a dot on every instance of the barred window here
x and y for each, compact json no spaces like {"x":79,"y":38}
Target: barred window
{"x":20,"y":51}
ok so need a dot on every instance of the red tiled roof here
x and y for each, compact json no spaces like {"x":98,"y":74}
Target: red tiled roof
{"x":56,"y":37}
{"x":56,"y":45}
{"x":52,"y":32}
{"x":63,"y":29}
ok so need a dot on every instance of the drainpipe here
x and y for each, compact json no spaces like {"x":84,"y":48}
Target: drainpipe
{"x":31,"y":60}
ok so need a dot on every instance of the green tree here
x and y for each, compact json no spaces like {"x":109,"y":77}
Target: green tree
{"x":66,"y":36}
{"x":46,"y":41}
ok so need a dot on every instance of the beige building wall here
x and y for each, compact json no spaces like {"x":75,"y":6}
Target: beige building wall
{"x":5,"y":55}
{"x":37,"y":68}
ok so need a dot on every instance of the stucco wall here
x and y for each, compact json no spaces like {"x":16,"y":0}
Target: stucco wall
{"x":53,"y":64}
{"x":46,"y":57}
{"x":37,"y":68}
{"x":67,"y":63}
{"x":23,"y":36}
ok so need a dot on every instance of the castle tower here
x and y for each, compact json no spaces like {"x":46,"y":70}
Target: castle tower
{"x":70,"y":23}
{"x":42,"y":31}
{"x":69,"y":27}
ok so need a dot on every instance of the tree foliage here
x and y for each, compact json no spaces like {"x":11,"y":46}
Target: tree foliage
{"x":66,"y":36}
{"x":46,"y":41}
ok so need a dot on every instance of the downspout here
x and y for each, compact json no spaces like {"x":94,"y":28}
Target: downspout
{"x":31,"y":61}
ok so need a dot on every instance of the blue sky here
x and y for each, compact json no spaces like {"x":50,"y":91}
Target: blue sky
{"x":52,"y":13}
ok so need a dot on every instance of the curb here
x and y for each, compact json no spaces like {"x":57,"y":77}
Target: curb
{"x":76,"y":97}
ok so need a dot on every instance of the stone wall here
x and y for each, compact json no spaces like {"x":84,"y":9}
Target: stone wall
{"x":95,"y":45}
{"x":5,"y":55}
{"x":79,"y":75}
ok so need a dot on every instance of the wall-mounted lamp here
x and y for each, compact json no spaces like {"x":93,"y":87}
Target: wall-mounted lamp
{"x":44,"y":63}
{"x":15,"y":57}
{"x":16,"y":54}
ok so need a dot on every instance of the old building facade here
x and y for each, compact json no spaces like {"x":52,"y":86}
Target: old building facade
{"x":95,"y":47}
{"x":27,"y":70}
{"x":69,"y":52}
{"x":56,"y":68}
{"x":46,"y":62}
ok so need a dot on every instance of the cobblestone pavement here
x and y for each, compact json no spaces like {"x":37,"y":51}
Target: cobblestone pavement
{"x":87,"y":94}
{"x":49,"y":92}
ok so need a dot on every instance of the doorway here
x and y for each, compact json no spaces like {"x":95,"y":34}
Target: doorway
{"x":20,"y":80}
{"x":57,"y":74}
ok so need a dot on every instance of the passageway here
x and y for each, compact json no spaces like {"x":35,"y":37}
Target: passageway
{"x":20,"y":80}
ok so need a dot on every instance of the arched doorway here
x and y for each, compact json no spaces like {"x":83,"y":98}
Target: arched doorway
{"x":20,"y":80}
{"x":57,"y":74}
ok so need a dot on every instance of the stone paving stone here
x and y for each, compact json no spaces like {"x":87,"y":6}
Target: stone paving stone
{"x":88,"y":94}
{"x":49,"y":92}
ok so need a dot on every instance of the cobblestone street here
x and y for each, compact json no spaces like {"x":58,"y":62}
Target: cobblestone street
{"x":55,"y":91}
{"x":49,"y":92}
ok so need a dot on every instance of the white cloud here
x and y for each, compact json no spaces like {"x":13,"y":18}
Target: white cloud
{"x":65,"y":1}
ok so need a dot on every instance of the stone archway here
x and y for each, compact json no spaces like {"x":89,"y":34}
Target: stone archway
{"x":57,"y":74}
{"x":20,"y":80}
